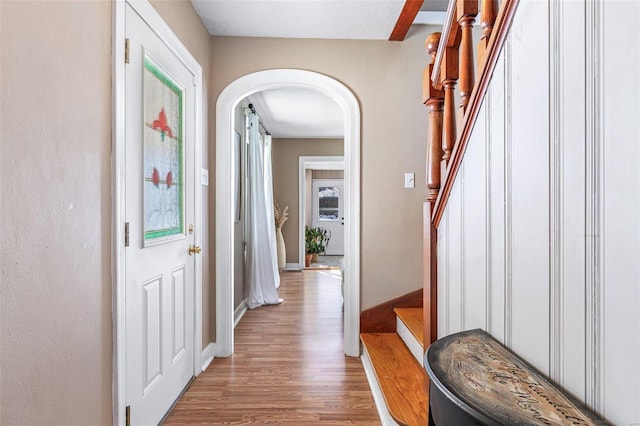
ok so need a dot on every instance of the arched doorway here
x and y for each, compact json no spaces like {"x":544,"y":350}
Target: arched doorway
{"x":227,"y":101}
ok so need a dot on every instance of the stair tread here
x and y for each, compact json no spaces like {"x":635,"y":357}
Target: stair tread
{"x":401,"y":379}
{"x":412,"y":318}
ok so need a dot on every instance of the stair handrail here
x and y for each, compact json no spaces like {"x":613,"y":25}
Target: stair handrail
{"x":453,"y":60}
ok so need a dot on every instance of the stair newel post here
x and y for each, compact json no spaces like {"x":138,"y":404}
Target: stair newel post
{"x":434,"y":101}
{"x":467,"y":10}
{"x":449,"y":78}
{"x":487,"y":20}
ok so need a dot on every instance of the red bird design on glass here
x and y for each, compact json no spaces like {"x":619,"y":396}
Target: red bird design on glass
{"x":161,"y":124}
{"x":155,"y":177}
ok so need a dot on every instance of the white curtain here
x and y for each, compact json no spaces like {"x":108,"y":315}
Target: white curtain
{"x":263,"y":276}
{"x":268,"y":191}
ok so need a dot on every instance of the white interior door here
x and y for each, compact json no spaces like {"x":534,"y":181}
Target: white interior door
{"x":160,"y":196}
{"x":328,"y":211}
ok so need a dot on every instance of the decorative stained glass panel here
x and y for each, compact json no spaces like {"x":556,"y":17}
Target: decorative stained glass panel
{"x":162,"y":154}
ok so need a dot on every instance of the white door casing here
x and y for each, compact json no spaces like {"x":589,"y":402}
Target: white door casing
{"x":308,"y":163}
{"x":162,"y":279}
{"x":227,"y":101}
{"x":334,"y":221}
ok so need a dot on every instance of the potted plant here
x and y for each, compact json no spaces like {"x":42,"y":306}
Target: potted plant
{"x":315,"y":239}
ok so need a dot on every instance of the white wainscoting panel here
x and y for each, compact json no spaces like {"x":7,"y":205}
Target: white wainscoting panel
{"x":496,"y":204}
{"x":530,"y":186}
{"x":443,"y":276}
{"x":567,"y":196}
{"x":474,"y":230}
{"x":455,"y":210}
{"x":593,"y":207}
{"x":540,"y":241}
{"x":618,"y":139}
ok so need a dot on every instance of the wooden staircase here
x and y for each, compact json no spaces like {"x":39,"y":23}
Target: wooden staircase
{"x":393,"y":364}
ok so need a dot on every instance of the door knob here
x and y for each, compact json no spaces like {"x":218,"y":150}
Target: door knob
{"x":194,"y":249}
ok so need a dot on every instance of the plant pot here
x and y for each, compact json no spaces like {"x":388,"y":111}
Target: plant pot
{"x":307,"y":260}
{"x":314,"y":258}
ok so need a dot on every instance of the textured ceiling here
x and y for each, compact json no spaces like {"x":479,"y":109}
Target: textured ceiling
{"x":298,"y":112}
{"x":329,"y":19}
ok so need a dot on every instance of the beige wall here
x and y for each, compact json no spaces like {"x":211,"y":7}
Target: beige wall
{"x":56,"y":280}
{"x":285,"y":155}
{"x":327,"y":174}
{"x":55,"y":306}
{"x":386,"y":79}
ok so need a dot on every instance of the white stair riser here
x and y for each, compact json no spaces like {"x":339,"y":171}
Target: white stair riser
{"x":409,"y":339}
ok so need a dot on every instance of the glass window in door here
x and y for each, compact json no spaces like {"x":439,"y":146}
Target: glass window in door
{"x":328,"y":199}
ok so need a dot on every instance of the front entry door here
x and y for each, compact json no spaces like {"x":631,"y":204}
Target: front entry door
{"x":159,"y":185}
{"x":328,"y":212}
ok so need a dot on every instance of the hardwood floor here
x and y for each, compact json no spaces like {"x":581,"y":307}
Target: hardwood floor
{"x":288,"y":366}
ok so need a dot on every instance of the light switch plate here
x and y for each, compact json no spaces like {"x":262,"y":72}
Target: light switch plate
{"x":409,"y":180}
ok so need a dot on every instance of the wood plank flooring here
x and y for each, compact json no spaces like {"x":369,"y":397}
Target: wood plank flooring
{"x":288,"y":366}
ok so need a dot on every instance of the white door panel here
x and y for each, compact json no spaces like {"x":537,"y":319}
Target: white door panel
{"x":160,"y":196}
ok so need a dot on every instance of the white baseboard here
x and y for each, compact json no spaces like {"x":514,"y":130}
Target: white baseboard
{"x":239,"y":312}
{"x":207,"y":355}
{"x":381,"y":406}
{"x":292,"y":267}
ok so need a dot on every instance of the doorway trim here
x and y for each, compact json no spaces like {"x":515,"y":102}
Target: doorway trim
{"x":118,"y":268}
{"x":310,"y":163}
{"x":227,"y":101}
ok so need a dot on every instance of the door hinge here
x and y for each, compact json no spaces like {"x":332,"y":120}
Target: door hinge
{"x":127,"y":412}
{"x":126,"y":234}
{"x":126,"y":50}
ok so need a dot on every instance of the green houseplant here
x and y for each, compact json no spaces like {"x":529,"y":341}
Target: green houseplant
{"x":316,"y":239}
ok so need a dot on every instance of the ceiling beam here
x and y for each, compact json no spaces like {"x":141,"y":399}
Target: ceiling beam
{"x":408,"y":14}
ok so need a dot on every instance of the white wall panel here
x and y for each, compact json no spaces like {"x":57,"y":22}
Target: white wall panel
{"x":474,"y":229}
{"x":567,"y":196}
{"x":619,"y":143}
{"x":454,"y":311}
{"x":495,"y":131}
{"x":443,"y":277}
{"x":530,"y":187}
{"x":542,"y":230}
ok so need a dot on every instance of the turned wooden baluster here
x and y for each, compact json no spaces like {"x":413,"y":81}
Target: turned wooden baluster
{"x":466,"y":10}
{"x":449,"y":78}
{"x":487,"y":19}
{"x":434,"y":100}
